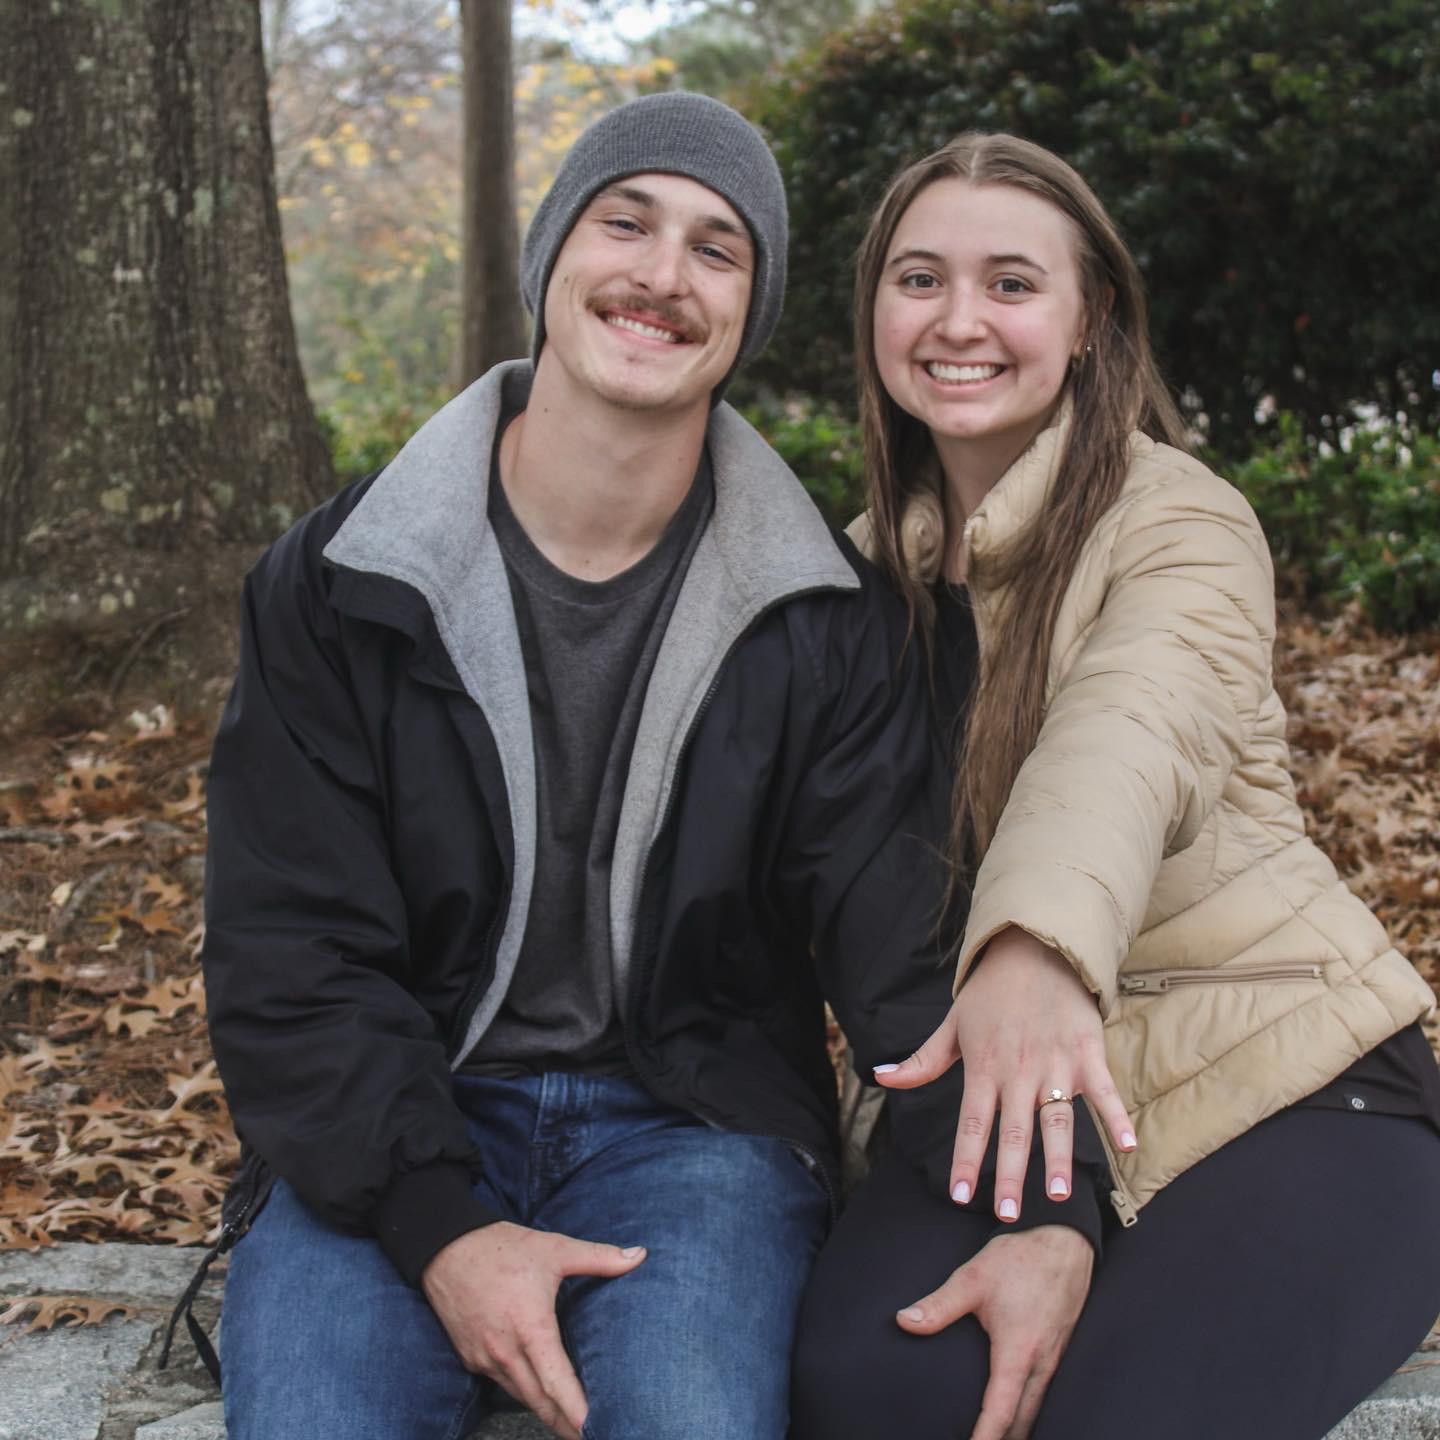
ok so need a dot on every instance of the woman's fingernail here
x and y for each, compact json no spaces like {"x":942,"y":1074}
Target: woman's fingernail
{"x":631,"y":1251}
{"x":913,"y":1312}
{"x":1058,"y":1186}
{"x":961,"y":1193}
{"x":1127,"y":1140}
{"x":1009,"y":1210}
{"x":885,"y":1069}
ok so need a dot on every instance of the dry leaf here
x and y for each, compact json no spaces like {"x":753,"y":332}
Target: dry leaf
{"x":194,"y":798}
{"x":165,"y":891}
{"x":52,"y":1310}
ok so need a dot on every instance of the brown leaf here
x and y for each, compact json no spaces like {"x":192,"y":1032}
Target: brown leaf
{"x":186,"y":1087}
{"x":159,"y":921}
{"x":52,"y":1310}
{"x":166,"y":892}
{"x":193,"y":800}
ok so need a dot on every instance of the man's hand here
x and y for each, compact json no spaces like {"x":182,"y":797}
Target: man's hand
{"x":1026,"y":1025}
{"x":1027,"y":1290}
{"x":494,"y":1291}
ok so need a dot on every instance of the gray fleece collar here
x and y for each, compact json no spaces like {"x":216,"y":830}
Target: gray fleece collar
{"x":424,"y":522}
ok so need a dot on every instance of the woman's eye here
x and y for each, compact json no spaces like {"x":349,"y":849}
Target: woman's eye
{"x":1012,"y":285}
{"x":921,"y":281}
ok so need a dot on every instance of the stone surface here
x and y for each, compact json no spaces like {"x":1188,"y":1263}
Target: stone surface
{"x":1405,"y":1407}
{"x":100,"y":1383}
{"x":156,"y":1274}
{"x":53,"y":1384}
{"x":201,"y":1422}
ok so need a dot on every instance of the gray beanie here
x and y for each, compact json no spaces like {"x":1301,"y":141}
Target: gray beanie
{"x":673,"y":133}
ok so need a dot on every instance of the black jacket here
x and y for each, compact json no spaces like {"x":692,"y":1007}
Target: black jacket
{"x":371,"y":837}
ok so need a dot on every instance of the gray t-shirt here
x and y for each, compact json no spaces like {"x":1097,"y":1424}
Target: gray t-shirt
{"x":589,"y":648}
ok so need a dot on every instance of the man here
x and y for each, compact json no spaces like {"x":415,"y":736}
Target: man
{"x":570,"y":761}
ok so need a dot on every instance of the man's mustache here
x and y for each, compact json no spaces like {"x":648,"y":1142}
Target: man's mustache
{"x":688,"y":327}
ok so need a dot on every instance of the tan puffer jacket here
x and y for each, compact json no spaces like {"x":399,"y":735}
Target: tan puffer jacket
{"x":1153,"y":836}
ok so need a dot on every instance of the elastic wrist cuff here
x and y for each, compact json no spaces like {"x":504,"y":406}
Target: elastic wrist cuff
{"x":423,"y":1211}
{"x":1080,"y":1210}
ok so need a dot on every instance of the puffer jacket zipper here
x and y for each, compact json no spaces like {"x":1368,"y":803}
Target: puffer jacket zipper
{"x":1157,"y":982}
{"x":1120,"y":1197}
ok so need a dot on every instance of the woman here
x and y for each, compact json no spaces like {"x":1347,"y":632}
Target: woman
{"x":1155,"y":929}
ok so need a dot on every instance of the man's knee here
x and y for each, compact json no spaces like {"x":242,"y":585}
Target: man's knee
{"x":699,"y":1403}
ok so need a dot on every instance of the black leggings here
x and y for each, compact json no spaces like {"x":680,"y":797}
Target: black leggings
{"x":1263,"y":1294}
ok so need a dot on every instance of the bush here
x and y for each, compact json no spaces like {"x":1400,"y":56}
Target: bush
{"x":366,"y":428}
{"x":821,"y":444}
{"x":1360,"y":523}
{"x":1271,"y":162}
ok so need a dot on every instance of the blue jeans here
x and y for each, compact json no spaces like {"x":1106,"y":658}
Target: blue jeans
{"x":321,"y":1337}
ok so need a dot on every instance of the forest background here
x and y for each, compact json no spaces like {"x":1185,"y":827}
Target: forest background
{"x":249,"y":247}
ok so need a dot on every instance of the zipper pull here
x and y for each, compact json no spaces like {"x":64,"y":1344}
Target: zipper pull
{"x":1124,"y":1209}
{"x":1142,"y":984}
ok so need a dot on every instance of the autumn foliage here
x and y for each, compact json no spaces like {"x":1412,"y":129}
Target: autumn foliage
{"x":112,"y":1121}
{"x":112,"y":1124}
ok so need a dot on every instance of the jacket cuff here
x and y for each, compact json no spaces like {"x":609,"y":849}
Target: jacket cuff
{"x":423,"y":1211}
{"x":1080,"y":1210}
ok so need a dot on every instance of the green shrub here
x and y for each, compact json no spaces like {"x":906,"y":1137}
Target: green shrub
{"x":1272,"y":163}
{"x":1358,"y":523}
{"x":366,"y":428}
{"x":821,"y":444}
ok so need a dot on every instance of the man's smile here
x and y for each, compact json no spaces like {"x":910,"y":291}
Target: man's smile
{"x":642,"y":327}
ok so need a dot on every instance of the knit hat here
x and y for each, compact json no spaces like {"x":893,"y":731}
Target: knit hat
{"x":672,"y":133}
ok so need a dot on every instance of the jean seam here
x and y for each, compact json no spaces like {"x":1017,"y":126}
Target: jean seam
{"x":460,"y":1421}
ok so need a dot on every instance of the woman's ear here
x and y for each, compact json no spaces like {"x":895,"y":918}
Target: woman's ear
{"x":1083,"y":344}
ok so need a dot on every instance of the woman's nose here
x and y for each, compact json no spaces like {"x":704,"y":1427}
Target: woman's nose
{"x":961,"y":319}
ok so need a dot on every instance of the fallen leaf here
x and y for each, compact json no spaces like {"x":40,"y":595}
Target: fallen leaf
{"x":52,"y":1310}
{"x":166,"y":892}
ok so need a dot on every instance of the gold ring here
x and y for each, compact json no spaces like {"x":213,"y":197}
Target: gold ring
{"x":1056,"y":1097}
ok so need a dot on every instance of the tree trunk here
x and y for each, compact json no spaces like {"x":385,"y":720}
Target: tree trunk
{"x":492,"y":321}
{"x":151,"y":397}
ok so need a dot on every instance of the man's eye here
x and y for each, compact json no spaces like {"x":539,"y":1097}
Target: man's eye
{"x":711,"y":252}
{"x":629,"y":226}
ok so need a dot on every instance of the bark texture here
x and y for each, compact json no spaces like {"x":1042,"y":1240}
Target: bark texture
{"x":492,"y":323}
{"x":151,"y":395}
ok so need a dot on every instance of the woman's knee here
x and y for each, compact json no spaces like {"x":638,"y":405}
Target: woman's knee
{"x":858,"y":1376}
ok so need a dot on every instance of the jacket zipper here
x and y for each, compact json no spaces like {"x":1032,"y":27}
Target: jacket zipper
{"x":482,"y":978}
{"x":234,"y":1227}
{"x":817,"y":1167}
{"x":1156,"y":982}
{"x":1120,"y":1197}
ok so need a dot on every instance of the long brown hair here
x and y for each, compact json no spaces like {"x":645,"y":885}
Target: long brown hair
{"x":1114,"y":388}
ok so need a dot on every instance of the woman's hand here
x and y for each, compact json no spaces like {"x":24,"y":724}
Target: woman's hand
{"x":1027,"y":1290}
{"x":1026,"y":1026}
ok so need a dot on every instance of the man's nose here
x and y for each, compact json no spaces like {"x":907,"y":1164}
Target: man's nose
{"x":660,"y":267}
